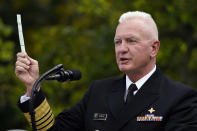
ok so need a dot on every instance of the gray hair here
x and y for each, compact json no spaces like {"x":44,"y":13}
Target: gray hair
{"x":138,"y":14}
{"x":132,"y":14}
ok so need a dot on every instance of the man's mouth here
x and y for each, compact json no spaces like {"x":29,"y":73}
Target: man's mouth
{"x":124,"y":60}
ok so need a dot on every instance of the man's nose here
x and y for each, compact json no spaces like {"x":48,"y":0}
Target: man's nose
{"x":124,"y":47}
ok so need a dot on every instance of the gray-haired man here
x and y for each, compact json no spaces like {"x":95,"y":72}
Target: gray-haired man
{"x":143,"y":99}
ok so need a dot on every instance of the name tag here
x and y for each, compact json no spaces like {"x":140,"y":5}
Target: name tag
{"x":99,"y":116}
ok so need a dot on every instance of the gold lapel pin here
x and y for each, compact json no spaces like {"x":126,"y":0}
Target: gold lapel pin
{"x":151,"y":110}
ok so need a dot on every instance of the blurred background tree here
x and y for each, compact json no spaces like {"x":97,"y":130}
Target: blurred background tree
{"x":79,"y":34}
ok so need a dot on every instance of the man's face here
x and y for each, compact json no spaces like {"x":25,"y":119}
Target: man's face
{"x":133,"y":45}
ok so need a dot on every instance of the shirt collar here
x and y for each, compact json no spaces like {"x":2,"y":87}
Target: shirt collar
{"x":141,"y":81}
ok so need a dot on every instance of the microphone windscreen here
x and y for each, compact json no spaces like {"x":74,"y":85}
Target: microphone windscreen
{"x":76,"y":74}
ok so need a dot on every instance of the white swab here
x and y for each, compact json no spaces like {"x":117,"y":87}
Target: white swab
{"x":20,"y":33}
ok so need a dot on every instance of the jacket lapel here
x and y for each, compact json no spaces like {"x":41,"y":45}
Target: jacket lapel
{"x":116,"y":97}
{"x":147,"y":95}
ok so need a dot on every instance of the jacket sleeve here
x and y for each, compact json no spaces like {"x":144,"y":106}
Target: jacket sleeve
{"x":68,"y":120}
{"x":183,"y":116}
{"x":44,"y":117}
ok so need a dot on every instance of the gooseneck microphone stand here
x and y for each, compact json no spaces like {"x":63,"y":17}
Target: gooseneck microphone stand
{"x":34,"y":91}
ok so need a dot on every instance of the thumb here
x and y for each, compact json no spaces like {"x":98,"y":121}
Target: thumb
{"x":33,"y":62}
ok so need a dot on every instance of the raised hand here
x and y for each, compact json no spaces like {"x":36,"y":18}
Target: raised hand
{"x":26,"y":70}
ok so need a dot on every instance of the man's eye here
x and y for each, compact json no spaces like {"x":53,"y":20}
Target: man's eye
{"x":117,"y":42}
{"x":131,"y":40}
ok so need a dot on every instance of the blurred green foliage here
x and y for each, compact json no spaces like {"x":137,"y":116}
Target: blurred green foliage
{"x":79,"y":34}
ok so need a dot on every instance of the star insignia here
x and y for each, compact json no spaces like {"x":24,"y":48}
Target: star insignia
{"x":151,"y":110}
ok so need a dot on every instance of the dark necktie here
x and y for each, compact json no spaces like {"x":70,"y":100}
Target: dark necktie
{"x":130,"y":95}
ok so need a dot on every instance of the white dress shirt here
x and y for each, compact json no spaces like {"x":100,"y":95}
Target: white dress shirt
{"x":138,"y":83}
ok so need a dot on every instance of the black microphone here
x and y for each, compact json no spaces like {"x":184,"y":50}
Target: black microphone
{"x":65,"y":75}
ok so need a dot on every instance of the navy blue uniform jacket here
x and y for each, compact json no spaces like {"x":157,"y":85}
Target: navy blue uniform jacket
{"x":174,"y":107}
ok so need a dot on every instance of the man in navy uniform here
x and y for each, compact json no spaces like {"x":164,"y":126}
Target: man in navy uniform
{"x":142,"y":100}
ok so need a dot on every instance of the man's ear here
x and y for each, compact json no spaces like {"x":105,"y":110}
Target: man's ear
{"x":155,"y":48}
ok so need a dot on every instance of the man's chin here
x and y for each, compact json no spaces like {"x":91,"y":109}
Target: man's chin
{"x":124,"y":69}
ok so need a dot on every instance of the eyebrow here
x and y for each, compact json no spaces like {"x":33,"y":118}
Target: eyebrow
{"x":116,"y":39}
{"x":127,"y":37}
